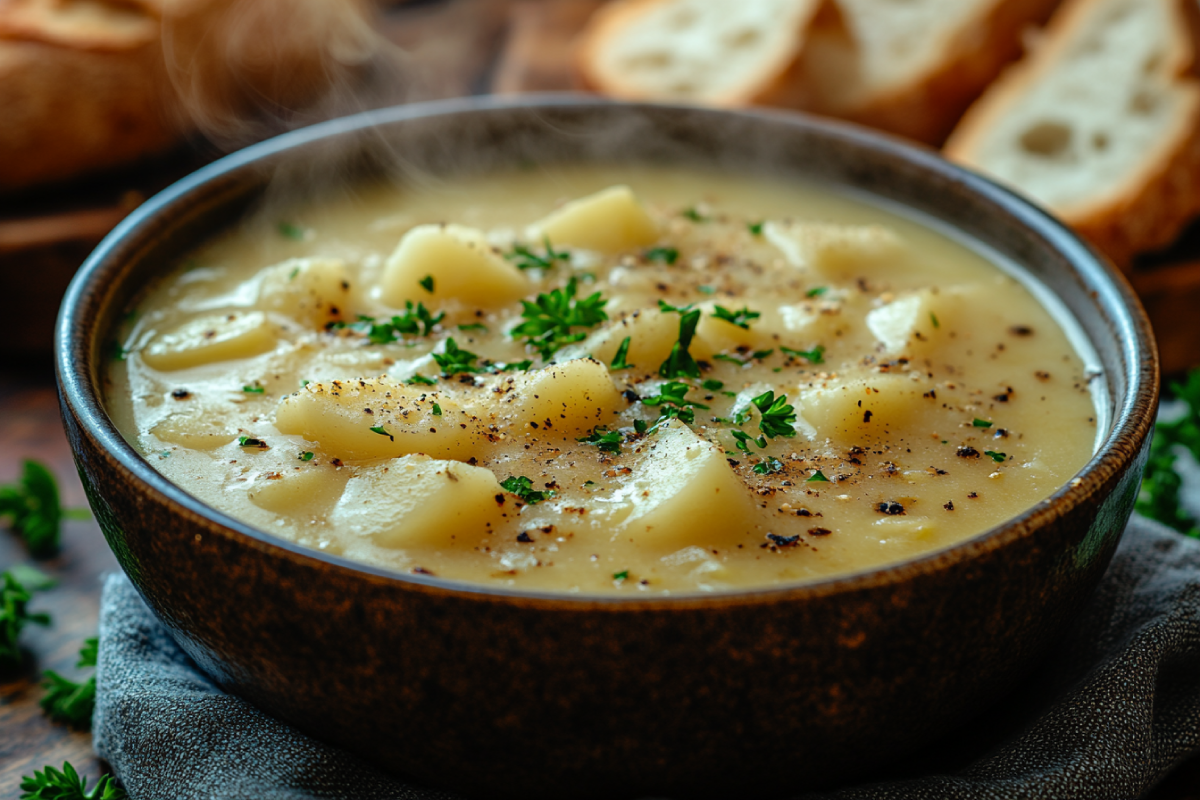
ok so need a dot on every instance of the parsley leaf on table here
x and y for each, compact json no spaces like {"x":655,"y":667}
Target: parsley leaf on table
{"x":1161,"y":484}
{"x":33,"y":509}
{"x":52,"y":784}
{"x":68,"y":701}
{"x":14,"y":596}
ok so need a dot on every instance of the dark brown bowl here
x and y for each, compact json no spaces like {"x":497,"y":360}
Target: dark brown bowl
{"x":535,"y":694}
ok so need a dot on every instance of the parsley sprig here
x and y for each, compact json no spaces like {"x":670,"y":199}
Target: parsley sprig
{"x":522,"y":487}
{"x":524,"y":258}
{"x":607,"y":441}
{"x":455,"y":361}
{"x":777,"y":417}
{"x":549,"y":319}
{"x":679,"y":363}
{"x":53,"y":784}
{"x":415,"y":321}
{"x":672,"y":398}
{"x":16,"y":590}
{"x":741,"y":318}
{"x":68,"y":701}
{"x":32,"y":508}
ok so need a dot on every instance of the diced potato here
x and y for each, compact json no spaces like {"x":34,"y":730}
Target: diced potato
{"x":871,"y":407}
{"x":461,"y":263}
{"x":308,"y":492}
{"x":683,"y":493}
{"x":610,"y":221}
{"x":208,"y":339}
{"x":336,"y":415}
{"x":842,"y":252}
{"x":915,"y":322}
{"x":904,"y":529}
{"x":570,"y":398}
{"x":416,"y":501}
{"x":202,"y":429}
{"x":651,"y":335}
{"x":312,"y":291}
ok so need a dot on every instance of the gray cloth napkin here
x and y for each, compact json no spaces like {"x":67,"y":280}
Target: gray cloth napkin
{"x":1112,"y":709}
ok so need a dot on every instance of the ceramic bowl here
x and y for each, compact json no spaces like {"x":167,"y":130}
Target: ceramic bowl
{"x":535,"y":694}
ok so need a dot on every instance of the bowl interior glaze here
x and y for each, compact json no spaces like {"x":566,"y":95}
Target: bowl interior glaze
{"x":872,"y":660}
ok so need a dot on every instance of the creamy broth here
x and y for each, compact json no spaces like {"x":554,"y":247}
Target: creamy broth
{"x":351,"y":377}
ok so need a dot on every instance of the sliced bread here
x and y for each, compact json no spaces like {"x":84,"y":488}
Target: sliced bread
{"x":1100,"y":123}
{"x":913,"y":67}
{"x":716,"y":52}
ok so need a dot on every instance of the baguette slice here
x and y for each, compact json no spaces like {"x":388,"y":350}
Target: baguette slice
{"x":716,"y":52}
{"x":1101,"y":123}
{"x":913,"y":67}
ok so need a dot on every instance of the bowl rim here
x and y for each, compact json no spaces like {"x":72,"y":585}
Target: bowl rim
{"x":1133,"y":416}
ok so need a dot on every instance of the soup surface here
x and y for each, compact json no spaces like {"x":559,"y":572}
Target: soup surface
{"x":603,"y":380}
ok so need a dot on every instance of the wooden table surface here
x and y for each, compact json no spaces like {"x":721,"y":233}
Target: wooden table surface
{"x":518,"y":45}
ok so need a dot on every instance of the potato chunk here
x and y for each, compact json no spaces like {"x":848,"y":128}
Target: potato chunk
{"x":461,"y":264}
{"x":201,"y":429}
{"x":307,"y":492}
{"x":208,"y":339}
{"x":340,"y":416}
{"x":570,"y":398}
{"x":609,"y":221}
{"x":417,"y":501}
{"x":874,"y":407}
{"x":312,"y":291}
{"x":683,"y":493}
{"x":842,"y":252}
{"x":915,"y":322}
{"x":651,"y":335}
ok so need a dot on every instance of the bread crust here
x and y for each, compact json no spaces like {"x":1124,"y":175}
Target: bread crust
{"x":929,"y":104}
{"x":780,"y":83}
{"x":1147,"y":210}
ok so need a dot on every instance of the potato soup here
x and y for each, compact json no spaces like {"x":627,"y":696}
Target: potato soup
{"x":603,"y":380}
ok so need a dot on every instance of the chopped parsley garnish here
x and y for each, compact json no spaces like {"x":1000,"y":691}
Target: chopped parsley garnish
{"x":254,"y":388}
{"x":743,"y":439}
{"x":679,"y":363}
{"x":416,"y":321}
{"x":665,"y":255}
{"x":777,"y":416}
{"x":307,"y":455}
{"x":291,"y":231}
{"x":522,"y":487}
{"x":474,"y":326}
{"x":437,"y":410}
{"x":119,"y":353}
{"x":420,"y":380}
{"x":32,"y":508}
{"x":382,"y":431}
{"x":712,"y":384}
{"x":933,"y":319}
{"x":549,"y":319}
{"x":769,"y":466}
{"x":493,"y":367}
{"x":16,"y":590}
{"x":524,"y":258}
{"x":304,"y":382}
{"x":51,"y":784}
{"x":619,"y":360}
{"x":706,"y":289}
{"x":292,"y":275}
{"x":672,"y":398}
{"x":816,"y":291}
{"x":623,"y":575}
{"x":755,"y":228}
{"x":427,"y":283}
{"x":997,"y":457}
{"x":817,"y":477}
{"x":730,"y":359}
{"x":608,"y":441}
{"x":981,"y":423}
{"x":251,"y":441}
{"x":814,"y":356}
{"x":67,"y":701}
{"x":741,"y":318}
{"x":694,"y":215}
{"x":455,"y":360}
